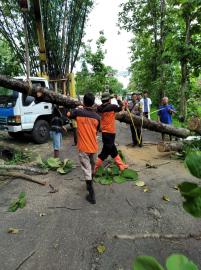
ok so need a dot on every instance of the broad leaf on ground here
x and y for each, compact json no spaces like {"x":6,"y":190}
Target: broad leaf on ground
{"x":193,"y":206}
{"x":146,"y":263}
{"x":193,"y":162}
{"x":119,"y":179}
{"x":180,"y":262}
{"x":100,"y":171}
{"x":54,"y":163}
{"x":130,"y":174}
{"x":106,"y":180}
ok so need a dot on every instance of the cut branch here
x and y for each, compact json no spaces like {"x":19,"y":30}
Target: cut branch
{"x":153,"y":125}
{"x":194,"y":124}
{"x":47,"y":95}
{"x":157,"y":236}
{"x":52,"y":97}
{"x":168,"y":147}
{"x":22,"y":176}
{"x":23,"y":168}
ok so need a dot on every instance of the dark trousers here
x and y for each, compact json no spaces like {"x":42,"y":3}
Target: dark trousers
{"x":109,"y":148}
{"x":134,"y":135}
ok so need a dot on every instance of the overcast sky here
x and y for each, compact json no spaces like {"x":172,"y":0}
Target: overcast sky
{"x":104,"y":17}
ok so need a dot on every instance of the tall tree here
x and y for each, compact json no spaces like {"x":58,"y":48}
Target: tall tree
{"x":95,"y":75}
{"x":63,"y":24}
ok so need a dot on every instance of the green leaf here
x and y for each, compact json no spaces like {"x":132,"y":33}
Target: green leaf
{"x":130,"y":174}
{"x":188,"y":189}
{"x":13,"y":206}
{"x":115,"y":170}
{"x":100,"y":171}
{"x":106,"y":180}
{"x":193,"y":162}
{"x":22,"y":195}
{"x":146,"y":263}
{"x":119,"y":179}
{"x":193,"y":206}
{"x":61,"y":170}
{"x":19,"y":203}
{"x":54,"y":163}
{"x":180,"y":262}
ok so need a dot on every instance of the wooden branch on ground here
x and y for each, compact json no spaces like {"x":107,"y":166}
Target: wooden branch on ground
{"x":157,"y":236}
{"x":23,"y":168}
{"x":194,"y":124}
{"x":52,"y":97}
{"x":22,"y":176}
{"x":168,"y":147}
{"x":25,"y":259}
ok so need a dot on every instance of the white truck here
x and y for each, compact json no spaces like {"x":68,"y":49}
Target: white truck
{"x":19,"y":114}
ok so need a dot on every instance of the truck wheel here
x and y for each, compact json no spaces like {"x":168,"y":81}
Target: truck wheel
{"x":16,"y":135}
{"x":41,"y":132}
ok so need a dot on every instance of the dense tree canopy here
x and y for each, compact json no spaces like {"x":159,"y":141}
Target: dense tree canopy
{"x":63,"y":24}
{"x":166,"y":46}
{"x":95,"y":76}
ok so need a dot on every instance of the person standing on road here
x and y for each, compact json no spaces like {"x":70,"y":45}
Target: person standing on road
{"x":146,"y":105}
{"x":57,"y":128}
{"x":165,"y":113}
{"x":107,"y":112}
{"x":88,"y":124}
{"x":136,"y":132}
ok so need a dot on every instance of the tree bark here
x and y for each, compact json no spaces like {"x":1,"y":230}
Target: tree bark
{"x":22,"y":176}
{"x":153,"y":125}
{"x":194,"y":124}
{"x":47,"y":95}
{"x":184,"y":69}
{"x":52,"y":97}
{"x":31,"y":170}
{"x":168,"y":147}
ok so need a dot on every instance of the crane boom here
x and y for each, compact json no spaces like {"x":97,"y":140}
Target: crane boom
{"x":40,"y":34}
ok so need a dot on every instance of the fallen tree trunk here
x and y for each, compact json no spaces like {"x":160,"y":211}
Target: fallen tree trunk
{"x":194,"y":124}
{"x":168,"y":147}
{"x":153,"y":125}
{"x":52,"y":97}
{"x":47,"y":95}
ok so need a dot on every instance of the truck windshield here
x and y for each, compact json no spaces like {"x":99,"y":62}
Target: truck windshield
{"x":8,"y":97}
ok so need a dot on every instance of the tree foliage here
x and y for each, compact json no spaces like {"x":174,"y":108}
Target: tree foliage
{"x":8,"y":63}
{"x":165,"y":49}
{"x":95,"y":76}
{"x":63,"y":25}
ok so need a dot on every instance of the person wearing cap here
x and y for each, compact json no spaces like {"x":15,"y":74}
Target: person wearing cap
{"x":107,"y":112}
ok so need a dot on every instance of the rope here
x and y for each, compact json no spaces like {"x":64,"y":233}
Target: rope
{"x":139,"y":139}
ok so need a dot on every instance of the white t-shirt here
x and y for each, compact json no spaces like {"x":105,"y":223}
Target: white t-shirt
{"x":149,"y":102}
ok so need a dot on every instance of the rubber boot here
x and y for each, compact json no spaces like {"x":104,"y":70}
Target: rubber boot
{"x":122,"y":166}
{"x":97,"y":165}
{"x":91,"y":196}
{"x":56,"y":153}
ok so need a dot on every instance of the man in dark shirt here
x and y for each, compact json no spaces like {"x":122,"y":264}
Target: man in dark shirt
{"x":107,"y":112}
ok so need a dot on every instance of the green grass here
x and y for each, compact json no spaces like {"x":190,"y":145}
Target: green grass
{"x":175,"y":121}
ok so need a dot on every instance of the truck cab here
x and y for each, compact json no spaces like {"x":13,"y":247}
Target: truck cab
{"x":19,"y":114}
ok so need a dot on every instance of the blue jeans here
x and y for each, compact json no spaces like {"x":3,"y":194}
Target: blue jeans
{"x":56,"y":139}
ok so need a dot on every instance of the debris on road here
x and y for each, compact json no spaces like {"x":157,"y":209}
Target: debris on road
{"x":19,"y":203}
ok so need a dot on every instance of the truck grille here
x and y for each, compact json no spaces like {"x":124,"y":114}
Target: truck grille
{"x":3,"y":120}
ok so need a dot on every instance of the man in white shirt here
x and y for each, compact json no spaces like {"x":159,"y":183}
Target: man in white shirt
{"x":146,"y":105}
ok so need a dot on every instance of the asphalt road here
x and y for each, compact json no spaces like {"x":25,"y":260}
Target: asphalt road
{"x":61,"y":231}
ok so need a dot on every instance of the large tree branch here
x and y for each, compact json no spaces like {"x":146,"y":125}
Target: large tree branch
{"x":50,"y":96}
